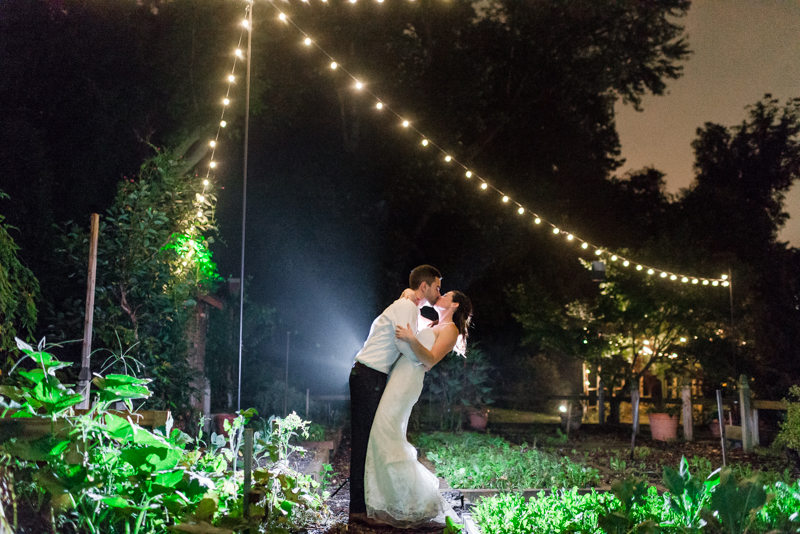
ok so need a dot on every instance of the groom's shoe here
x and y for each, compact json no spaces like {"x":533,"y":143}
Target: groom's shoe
{"x":364,"y":520}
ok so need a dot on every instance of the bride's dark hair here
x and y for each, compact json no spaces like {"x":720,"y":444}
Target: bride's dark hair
{"x":463,"y":314}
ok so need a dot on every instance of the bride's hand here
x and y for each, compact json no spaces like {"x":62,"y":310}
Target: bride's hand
{"x":408,"y":293}
{"x":404,"y":333}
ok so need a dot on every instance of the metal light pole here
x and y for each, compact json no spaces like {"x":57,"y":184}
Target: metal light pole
{"x":286,"y":384}
{"x":244,"y":195}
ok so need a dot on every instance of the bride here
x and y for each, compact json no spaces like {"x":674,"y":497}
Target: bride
{"x":399,"y":490}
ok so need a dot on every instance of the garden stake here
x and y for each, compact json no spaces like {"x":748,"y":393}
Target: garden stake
{"x":635,"y":405}
{"x":85,"y":377}
{"x":721,"y":426}
{"x":248,"y":469}
{"x":340,"y":487}
{"x":569,"y":416}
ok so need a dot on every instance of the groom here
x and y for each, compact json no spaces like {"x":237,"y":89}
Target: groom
{"x":370,"y":373}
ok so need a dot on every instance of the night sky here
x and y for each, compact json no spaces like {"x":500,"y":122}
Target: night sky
{"x":742,"y":50}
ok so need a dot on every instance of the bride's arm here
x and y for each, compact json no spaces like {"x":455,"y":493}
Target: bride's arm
{"x":445,"y":342}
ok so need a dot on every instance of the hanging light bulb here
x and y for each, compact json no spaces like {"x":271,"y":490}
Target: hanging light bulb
{"x":201,"y":198}
{"x":505,"y":198}
{"x":705,"y":282}
{"x":424,"y":142}
{"x":725,"y":284}
{"x":598,"y":251}
{"x":570,"y":237}
{"x":724,"y":276}
{"x":521,"y":210}
{"x":585,"y":246}
{"x":613,"y":257}
{"x":359,"y":85}
{"x":282,"y":17}
{"x":231,"y":78}
{"x":333,"y":65}
{"x":626,"y":263}
{"x":694,"y":280}
{"x":212,"y":164}
{"x":468,"y":174}
{"x":673,"y":277}
{"x":379,"y":105}
{"x":226,"y":101}
{"x":556,"y":230}
{"x":405,"y":124}
{"x":245,"y":23}
{"x":352,"y":1}
{"x":537,"y":220}
{"x":200,"y":213}
{"x":205,"y":182}
{"x":638,"y":267}
{"x":684,"y":279}
{"x":715,"y":283}
{"x":484,"y":185}
{"x":239,"y":53}
{"x":663,"y":275}
{"x":307,"y":41}
{"x":223,"y":124}
{"x":212,"y":144}
{"x":447,"y":159}
{"x":650,"y":271}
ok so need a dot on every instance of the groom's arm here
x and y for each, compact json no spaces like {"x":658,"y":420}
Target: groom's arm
{"x":405,"y":313}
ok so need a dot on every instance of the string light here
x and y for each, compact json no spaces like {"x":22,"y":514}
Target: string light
{"x":226,"y":101}
{"x":425,"y":142}
{"x":556,"y":230}
{"x":212,"y":143}
{"x":231,"y":78}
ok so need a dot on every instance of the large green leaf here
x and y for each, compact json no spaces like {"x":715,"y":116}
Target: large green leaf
{"x":152,"y":458}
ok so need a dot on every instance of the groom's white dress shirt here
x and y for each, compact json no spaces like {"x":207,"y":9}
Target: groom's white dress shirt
{"x":381,"y":349}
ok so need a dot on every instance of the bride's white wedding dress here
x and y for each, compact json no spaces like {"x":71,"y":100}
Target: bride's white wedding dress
{"x":399,"y":490}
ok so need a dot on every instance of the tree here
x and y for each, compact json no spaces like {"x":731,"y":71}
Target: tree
{"x":152,"y":260}
{"x":732,"y":214}
{"x":19,"y":291}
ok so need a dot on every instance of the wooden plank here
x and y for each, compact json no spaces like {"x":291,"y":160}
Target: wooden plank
{"x":768,"y":405}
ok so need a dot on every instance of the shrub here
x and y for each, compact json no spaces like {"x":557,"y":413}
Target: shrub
{"x":789,"y":435}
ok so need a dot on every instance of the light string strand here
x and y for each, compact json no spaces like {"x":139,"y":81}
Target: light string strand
{"x":470,"y":174}
{"x":213,"y":143}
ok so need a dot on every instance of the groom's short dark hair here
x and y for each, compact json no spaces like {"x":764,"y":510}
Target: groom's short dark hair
{"x":423,"y":273}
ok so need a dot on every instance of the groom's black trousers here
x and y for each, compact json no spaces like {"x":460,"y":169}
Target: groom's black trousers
{"x":366,"y":389}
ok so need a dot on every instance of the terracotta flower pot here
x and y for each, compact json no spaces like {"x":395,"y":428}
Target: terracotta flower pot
{"x":219,"y":422}
{"x":663,"y":427}
{"x":479,"y":420}
{"x":714,"y":426}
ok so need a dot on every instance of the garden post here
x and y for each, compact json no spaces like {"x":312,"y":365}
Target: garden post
{"x":688,"y":424}
{"x":635,"y":408}
{"x":721,"y":415}
{"x":601,"y":402}
{"x":85,"y":377}
{"x":248,"y":468}
{"x":744,"y":407}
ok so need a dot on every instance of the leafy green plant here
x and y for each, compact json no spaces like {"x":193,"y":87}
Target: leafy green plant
{"x":688,"y":496}
{"x":782,"y":511}
{"x":104,"y":473}
{"x":789,"y":435}
{"x":735,"y":502}
{"x":473,"y":460}
{"x":19,"y":290}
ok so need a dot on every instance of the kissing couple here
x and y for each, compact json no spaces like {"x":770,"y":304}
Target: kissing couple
{"x":388,"y":486}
